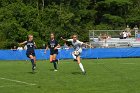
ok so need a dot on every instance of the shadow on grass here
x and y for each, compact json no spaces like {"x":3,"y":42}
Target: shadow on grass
{"x":31,"y":72}
{"x":76,"y":73}
{"x":51,"y":69}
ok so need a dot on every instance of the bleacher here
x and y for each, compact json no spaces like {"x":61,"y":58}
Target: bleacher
{"x":116,"y":42}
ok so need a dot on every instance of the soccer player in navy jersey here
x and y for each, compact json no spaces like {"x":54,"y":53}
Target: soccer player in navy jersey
{"x":53,"y":45}
{"x":30,"y":50}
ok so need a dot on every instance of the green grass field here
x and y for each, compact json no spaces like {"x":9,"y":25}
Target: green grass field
{"x":103,"y":76}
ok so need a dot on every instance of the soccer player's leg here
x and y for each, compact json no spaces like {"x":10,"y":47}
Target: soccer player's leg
{"x":55,"y":62}
{"x":80,"y":65}
{"x":32,"y":61}
{"x":55,"y":56}
{"x":52,"y":61}
{"x":34,"y":56}
{"x":74,"y":57}
{"x":51,"y":58}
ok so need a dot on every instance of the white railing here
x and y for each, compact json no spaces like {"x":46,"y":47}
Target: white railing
{"x":115,"y":40}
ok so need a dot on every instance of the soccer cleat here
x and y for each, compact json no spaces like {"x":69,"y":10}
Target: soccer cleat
{"x":55,"y":70}
{"x":34,"y":67}
{"x":84,"y":73}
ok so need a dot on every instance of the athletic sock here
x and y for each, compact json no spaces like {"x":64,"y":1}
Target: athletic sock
{"x":81,"y":66}
{"x":32,"y":61}
{"x":54,"y":64}
{"x":33,"y":64}
{"x":73,"y":56}
{"x":56,"y":60}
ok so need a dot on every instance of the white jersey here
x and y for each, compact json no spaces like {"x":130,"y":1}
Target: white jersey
{"x":76,"y":45}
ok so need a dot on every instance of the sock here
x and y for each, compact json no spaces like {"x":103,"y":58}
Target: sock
{"x":32,"y":61}
{"x":81,"y":66}
{"x":73,"y":56}
{"x":56,"y":60}
{"x":34,"y":64}
{"x":54,"y":64}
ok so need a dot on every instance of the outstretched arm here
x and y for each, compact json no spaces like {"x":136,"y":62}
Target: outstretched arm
{"x":69,"y":40}
{"x":23,"y":43}
{"x":87,"y":45}
{"x":63,"y":39}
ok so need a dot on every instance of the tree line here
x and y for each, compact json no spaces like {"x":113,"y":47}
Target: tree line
{"x":18,"y":18}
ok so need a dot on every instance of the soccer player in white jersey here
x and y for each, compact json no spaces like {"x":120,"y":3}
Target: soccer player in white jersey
{"x":77,"y":45}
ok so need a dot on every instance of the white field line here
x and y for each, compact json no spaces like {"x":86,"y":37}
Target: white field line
{"x":98,"y":63}
{"x":31,"y":84}
{"x":12,"y":86}
{"x":116,"y":63}
{"x":107,"y":63}
{"x":128,"y":63}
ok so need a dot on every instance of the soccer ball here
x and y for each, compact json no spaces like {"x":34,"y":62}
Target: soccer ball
{"x":76,"y":53}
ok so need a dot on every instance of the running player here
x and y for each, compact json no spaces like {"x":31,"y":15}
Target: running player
{"x":53,"y":46}
{"x":77,"y":50}
{"x":30,"y":50}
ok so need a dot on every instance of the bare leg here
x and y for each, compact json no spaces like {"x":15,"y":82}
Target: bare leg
{"x":51,"y":58}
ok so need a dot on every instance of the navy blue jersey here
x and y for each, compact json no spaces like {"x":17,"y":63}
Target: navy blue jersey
{"x":52,"y":44}
{"x":30,"y":46}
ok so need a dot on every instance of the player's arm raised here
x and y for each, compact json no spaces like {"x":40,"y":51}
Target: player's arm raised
{"x":23,"y":43}
{"x":63,"y":39}
{"x":87,"y":45}
{"x":82,"y":43}
{"x":69,"y":40}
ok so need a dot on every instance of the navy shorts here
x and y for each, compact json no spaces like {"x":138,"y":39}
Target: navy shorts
{"x":30,"y":53}
{"x":52,"y":52}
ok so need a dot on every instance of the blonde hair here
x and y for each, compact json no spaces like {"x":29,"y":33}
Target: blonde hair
{"x":75,"y":35}
{"x":52,"y":34}
{"x":29,"y":36}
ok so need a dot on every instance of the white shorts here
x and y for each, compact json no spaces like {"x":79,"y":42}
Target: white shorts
{"x":77,"y":52}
